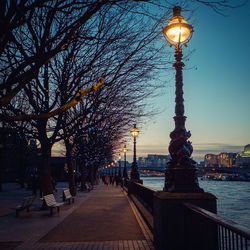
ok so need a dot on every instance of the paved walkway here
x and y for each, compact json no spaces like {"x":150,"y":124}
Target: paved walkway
{"x":102,"y":219}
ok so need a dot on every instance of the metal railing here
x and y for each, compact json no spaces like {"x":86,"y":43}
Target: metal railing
{"x":202,"y":228}
{"x":229,"y":235}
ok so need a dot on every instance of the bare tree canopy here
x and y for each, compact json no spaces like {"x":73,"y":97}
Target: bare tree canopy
{"x":34,"y":31}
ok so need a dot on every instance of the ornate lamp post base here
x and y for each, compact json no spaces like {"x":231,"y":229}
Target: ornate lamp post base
{"x":182,"y":180}
{"x":134,"y":175}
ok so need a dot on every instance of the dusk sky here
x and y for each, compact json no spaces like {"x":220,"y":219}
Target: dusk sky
{"x":216,"y":88}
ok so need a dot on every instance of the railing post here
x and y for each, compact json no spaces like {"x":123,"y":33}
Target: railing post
{"x":201,"y":232}
{"x":131,"y":185}
{"x":174,"y":230}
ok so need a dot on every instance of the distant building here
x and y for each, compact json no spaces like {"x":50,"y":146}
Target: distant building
{"x":12,"y":154}
{"x":243,"y":158}
{"x":227,"y":159}
{"x":153,"y":161}
{"x":211,"y":160}
{"x":142,"y":162}
{"x":221,"y":160}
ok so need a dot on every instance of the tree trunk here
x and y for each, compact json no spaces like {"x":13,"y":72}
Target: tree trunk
{"x":96,"y":177}
{"x":92,"y":175}
{"x":47,"y":187}
{"x":84,"y":175}
{"x":22,"y":166}
{"x":71,"y":175}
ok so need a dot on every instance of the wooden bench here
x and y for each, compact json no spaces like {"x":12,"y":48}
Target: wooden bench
{"x":67,"y":196}
{"x":51,"y":203}
{"x":26,"y":203}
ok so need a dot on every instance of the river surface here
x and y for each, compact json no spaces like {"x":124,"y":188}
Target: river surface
{"x":233,"y":201}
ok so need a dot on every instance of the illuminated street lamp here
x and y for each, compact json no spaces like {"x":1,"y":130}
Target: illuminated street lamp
{"x":181,"y":172}
{"x":125,"y":172}
{"x":134,"y":169}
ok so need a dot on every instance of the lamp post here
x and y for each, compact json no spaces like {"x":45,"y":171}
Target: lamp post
{"x":181,"y":172}
{"x":134,"y":169}
{"x":115,"y":168}
{"x":112,"y":169}
{"x":125,"y":172}
{"x":119,"y":171}
{"x":109,"y":172}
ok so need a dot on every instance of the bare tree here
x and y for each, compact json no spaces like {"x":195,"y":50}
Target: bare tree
{"x":117,"y":49}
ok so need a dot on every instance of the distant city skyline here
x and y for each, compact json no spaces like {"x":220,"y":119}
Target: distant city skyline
{"x":200,"y":150}
{"x":198,"y":154}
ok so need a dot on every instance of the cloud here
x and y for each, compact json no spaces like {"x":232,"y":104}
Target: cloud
{"x":218,"y":147}
{"x":144,"y":150}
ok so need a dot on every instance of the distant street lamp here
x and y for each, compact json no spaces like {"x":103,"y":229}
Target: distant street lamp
{"x":134,"y":169}
{"x":125,"y":172}
{"x":115,"y":168}
{"x":109,"y":169}
{"x":181,"y":171}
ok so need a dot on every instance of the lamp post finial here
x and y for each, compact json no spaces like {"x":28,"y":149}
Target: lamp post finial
{"x":177,"y":11}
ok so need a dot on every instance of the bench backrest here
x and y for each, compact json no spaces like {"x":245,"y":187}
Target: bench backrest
{"x":50,"y":200}
{"x":67,"y":193}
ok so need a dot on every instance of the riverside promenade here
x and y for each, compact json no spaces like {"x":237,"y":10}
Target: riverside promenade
{"x":104,"y":218}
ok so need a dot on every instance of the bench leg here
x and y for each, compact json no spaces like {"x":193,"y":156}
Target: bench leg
{"x":51,"y":210}
{"x":58,"y":209}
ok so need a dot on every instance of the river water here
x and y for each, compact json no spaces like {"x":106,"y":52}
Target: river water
{"x":233,"y":197}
